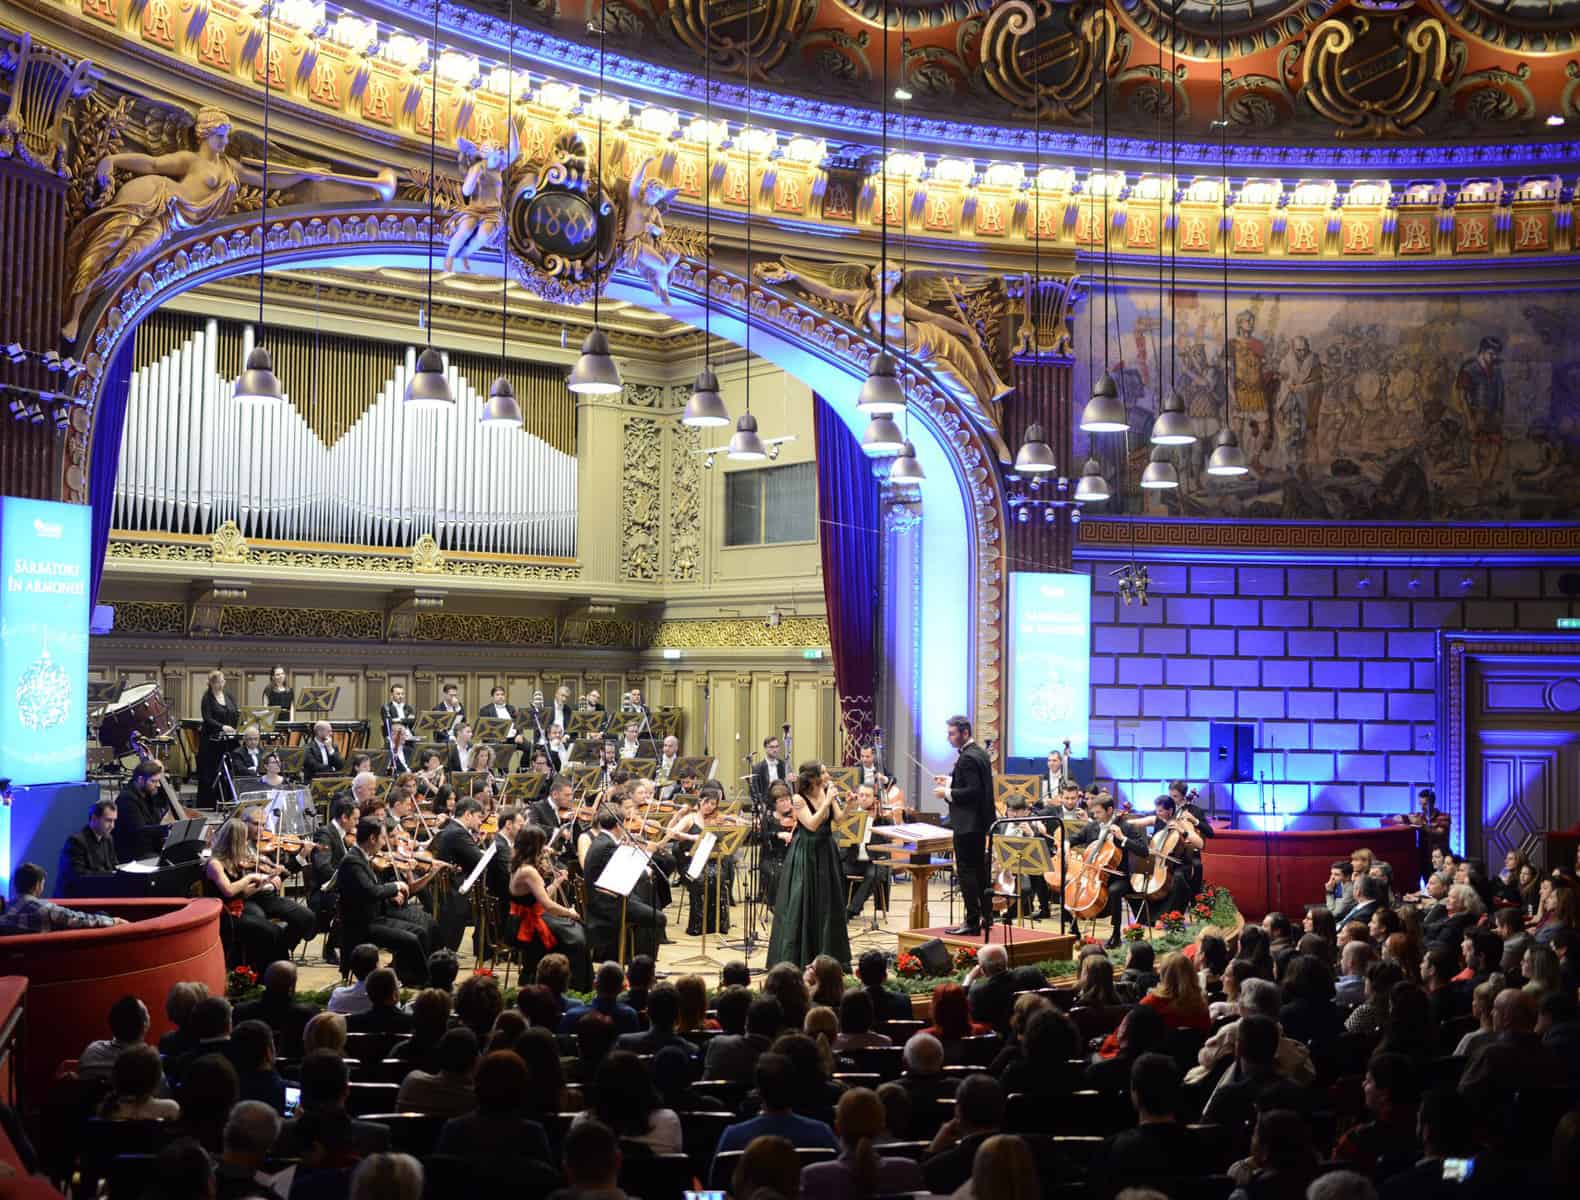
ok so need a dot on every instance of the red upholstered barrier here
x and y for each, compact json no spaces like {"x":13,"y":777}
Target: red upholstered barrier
{"x":75,"y":975}
{"x":1285,"y":871}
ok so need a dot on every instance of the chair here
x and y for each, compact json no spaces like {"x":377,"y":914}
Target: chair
{"x":1217,"y":1147}
{"x":653,"y":1176}
{"x":700,"y":1133}
{"x":724,"y":1164}
{"x":446,"y":1176}
{"x":979,"y":1051}
{"x":886,"y":1062}
{"x":858,"y":1079}
{"x":1443,"y":1073}
{"x":104,"y":1141}
{"x":365,"y":1098}
{"x":1095,"y":1021}
{"x":899,"y":1032}
{"x":386,"y":1070}
{"x":727,"y":1093}
{"x":130,"y":1175}
{"x":915,"y":1151}
{"x":370,"y":1047}
{"x":410,"y":1133}
{"x":1080,"y":1150}
{"x":700,"y":1037}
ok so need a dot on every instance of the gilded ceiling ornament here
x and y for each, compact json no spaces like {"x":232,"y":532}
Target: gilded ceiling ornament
{"x":1376,"y":76}
{"x":929,"y":314}
{"x":1530,"y":26}
{"x":1495,"y":97}
{"x":1263,"y":101}
{"x":1047,"y":324}
{"x":426,"y":557}
{"x":918,"y":14}
{"x":1050,"y":55}
{"x":740,"y":33}
{"x":1249,"y":26}
{"x":228,"y":545}
{"x":641,"y":509}
{"x":641,"y":248}
{"x":43,"y":88}
{"x":480,"y":222}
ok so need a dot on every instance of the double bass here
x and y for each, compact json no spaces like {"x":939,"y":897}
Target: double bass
{"x":1086,"y":889}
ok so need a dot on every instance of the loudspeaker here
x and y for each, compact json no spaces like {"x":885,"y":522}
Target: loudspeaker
{"x":184,"y":843}
{"x":1231,"y":748}
{"x":934,"y":956}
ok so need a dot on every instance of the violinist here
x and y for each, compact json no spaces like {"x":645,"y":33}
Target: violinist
{"x":874,"y":875}
{"x":457,"y":843}
{"x":777,"y":829}
{"x":682,"y":788}
{"x":666,"y":758}
{"x":233,"y":877}
{"x":1104,"y":826}
{"x":461,"y":749}
{"x":645,"y":920}
{"x":497,"y":874}
{"x":369,"y":907}
{"x":324,"y":859}
{"x":483,"y":765}
{"x":1027,"y":889}
{"x":548,"y":811}
{"x":708,"y":909}
{"x":280,"y":865}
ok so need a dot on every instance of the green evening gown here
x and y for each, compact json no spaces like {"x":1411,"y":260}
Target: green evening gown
{"x":809,"y":911}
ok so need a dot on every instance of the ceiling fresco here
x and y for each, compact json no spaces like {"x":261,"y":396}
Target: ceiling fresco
{"x":1298,"y":71}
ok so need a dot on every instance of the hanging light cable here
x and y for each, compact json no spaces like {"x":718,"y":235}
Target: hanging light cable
{"x":257,"y":383}
{"x":1104,"y":412}
{"x":596,"y":373}
{"x":881,"y":393}
{"x":747,"y":445}
{"x":430,"y":387}
{"x":706,"y":408}
{"x":501,"y":410}
{"x":1173,"y":426}
{"x":906,"y":470}
{"x":1035,"y":456}
{"x":1227,"y":459}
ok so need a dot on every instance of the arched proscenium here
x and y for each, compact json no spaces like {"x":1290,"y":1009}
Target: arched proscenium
{"x":962,"y":583}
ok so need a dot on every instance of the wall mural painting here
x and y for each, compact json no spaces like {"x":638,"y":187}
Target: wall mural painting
{"x":1446,"y":408}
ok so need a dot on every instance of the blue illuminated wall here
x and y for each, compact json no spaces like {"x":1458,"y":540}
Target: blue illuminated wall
{"x":1335,"y":665}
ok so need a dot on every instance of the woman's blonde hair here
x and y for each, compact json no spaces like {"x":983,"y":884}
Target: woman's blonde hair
{"x":387,"y":1177}
{"x":859,"y":1118}
{"x":1467,"y":898}
{"x":230,"y":845}
{"x":1178,"y":981}
{"x":215,"y":676}
{"x":325,"y":1031}
{"x":1004,"y":1170}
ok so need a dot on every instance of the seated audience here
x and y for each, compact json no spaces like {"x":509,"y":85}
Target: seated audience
{"x":786,"y":984}
{"x":478,"y":1003}
{"x":1481,"y":1003}
{"x":326,"y":1031}
{"x":1096,"y":986}
{"x":1139,"y":976}
{"x":979,"y":1114}
{"x":497,"y":1126}
{"x":351,"y":998}
{"x":1233,"y":979}
{"x":184,"y":1170}
{"x":1043,"y":1066}
{"x":384,"y":1013}
{"x":449,"y":1091}
{"x":607,"y":984}
{"x":693,"y":993}
{"x":279,"y":1009}
{"x":734,"y":1056}
{"x":1283,"y":1164}
{"x":135,"y":1080}
{"x":180,"y":1000}
{"x":591,"y":1160}
{"x":1159,"y":1146}
{"x":252,"y":1054}
{"x":897,"y":1113}
{"x":1027,"y":1005}
{"x":251,"y":1130}
{"x":769,"y":1167}
{"x":1543,"y":977}
{"x":1141,"y":1032}
{"x":1308,"y":1014}
{"x":1177,"y":995}
{"x":1258,"y":997}
{"x":776,"y":1088}
{"x":674,"y":1071}
{"x":952,"y":1020}
{"x":991,"y":988}
{"x":1392,"y":1094}
{"x":29,"y":912}
{"x":855,"y":1023}
{"x":1004,"y":1169}
{"x":129,"y":1023}
{"x":624,"y":1099}
{"x":1354,"y":960}
{"x":206,"y":1093}
{"x":1409,"y":1029}
{"x":872,"y":969}
{"x":1255,"y":1069}
{"x":639,"y":975}
{"x":548,"y":1094}
{"x":209,"y":1025}
{"x":663,"y":1011}
{"x":1463,"y":908}
{"x":924,"y":1080}
{"x":860,"y":1171}
{"x":1513,"y":1058}
{"x":326,"y":1082}
{"x":1445,"y":1128}
{"x":430,"y":1018}
{"x":1373,"y":1010}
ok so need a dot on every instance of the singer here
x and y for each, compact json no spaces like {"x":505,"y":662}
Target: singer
{"x":968,"y":790}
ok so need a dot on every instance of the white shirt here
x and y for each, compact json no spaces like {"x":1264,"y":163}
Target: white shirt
{"x":350,"y":999}
{"x":776,"y":769}
{"x":665,"y":766}
{"x":463,"y":755}
{"x":630,"y":749}
{"x":324,"y":751}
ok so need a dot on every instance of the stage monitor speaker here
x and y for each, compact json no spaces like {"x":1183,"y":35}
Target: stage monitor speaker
{"x":1231,"y":748}
{"x":184,"y":843}
{"x":935,"y":957}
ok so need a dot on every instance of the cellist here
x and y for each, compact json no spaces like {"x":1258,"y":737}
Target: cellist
{"x":1185,"y":871}
{"x":1133,"y":851}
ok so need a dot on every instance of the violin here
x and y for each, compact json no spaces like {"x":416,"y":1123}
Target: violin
{"x":418,"y":858}
{"x":1086,"y":889}
{"x":283,"y":843}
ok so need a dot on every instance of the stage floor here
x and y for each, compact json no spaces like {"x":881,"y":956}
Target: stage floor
{"x":1030,"y":943}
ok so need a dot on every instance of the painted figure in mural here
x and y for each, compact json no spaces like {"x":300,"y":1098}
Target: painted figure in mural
{"x":1300,"y":404}
{"x":1478,"y":394}
{"x":479,"y":224}
{"x":948,"y":344}
{"x":167,"y":194}
{"x":641,"y":239}
{"x":1252,"y":385}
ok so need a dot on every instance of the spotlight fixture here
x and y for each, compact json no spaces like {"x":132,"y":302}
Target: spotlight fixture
{"x":1092,"y":488}
{"x":882,"y":437}
{"x":1133,"y":584}
{"x":429,"y":387}
{"x":1104,"y":412}
{"x":1173,"y":427}
{"x":1035,"y":456}
{"x":1160,"y":474}
{"x":746,"y":445}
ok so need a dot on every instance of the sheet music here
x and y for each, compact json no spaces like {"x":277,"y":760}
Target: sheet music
{"x":700,"y":855}
{"x":623,"y":870}
{"x":482,"y":865}
{"x":916,"y":831}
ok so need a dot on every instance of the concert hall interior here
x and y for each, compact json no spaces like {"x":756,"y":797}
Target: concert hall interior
{"x":845,"y":598}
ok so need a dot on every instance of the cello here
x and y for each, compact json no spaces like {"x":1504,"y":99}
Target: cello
{"x":1152,"y":882}
{"x":1086,"y":889}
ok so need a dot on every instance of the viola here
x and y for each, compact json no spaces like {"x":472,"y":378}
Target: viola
{"x":1086,"y":889}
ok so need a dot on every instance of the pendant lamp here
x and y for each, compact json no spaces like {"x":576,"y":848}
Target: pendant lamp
{"x":1091,"y":488}
{"x":1173,"y":427}
{"x":1160,"y":474}
{"x":501,"y":410}
{"x":1104,"y":412}
{"x":257,"y":383}
{"x":906,"y":470}
{"x":430,"y":387}
{"x":746,"y":445}
{"x":881,"y":392}
{"x":595,"y":372}
{"x":706,"y":408}
{"x":882,"y":437}
{"x":1036,"y":455}
{"x":1227,"y":459}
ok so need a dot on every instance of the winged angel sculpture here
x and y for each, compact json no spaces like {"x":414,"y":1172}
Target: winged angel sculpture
{"x":480,"y":223}
{"x":945,"y":341}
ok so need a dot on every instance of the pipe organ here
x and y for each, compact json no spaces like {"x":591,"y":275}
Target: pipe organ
{"x":192,"y":458}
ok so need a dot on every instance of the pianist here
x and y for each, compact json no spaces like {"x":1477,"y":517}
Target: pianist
{"x":140,"y":808}
{"x":89,"y":853}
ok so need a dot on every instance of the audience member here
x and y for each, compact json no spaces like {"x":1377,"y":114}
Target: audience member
{"x":1513,"y":1058}
{"x":872,"y":969}
{"x":252,"y":1054}
{"x":430,"y":1018}
{"x":250,"y":1133}
{"x":449,"y":1091}
{"x":1355,"y":959}
{"x":183,"y":1170}
{"x":326,"y":1031}
{"x":776,"y":1089}
{"x":734,"y":1057}
{"x":1004,"y":1169}
{"x":1254,"y":1070}
{"x":1141,"y":1031}
{"x":351,"y":998}
{"x":1392,"y":1093}
{"x":1283,"y":1164}
{"x":478,"y":1003}
{"x":1044,"y":1065}
{"x":279,"y":1009}
{"x":326,"y":1082}
{"x":979,"y":1114}
{"x":443,"y":967}
{"x":384,"y":1013}
{"x":768,"y":1168}
{"x":859,"y":1172}
{"x":607,"y":984}
{"x":206,"y":1093}
{"x":129,"y":1021}
{"x":693,"y":993}
{"x":180,"y":1000}
{"x":855,"y":1023}
{"x":591,"y":1159}
{"x":785,"y":983}
{"x":1308,"y":1014}
{"x":209,"y":1026}
{"x":1096,"y":982}
{"x":548,"y":1094}
{"x":1482,"y":1000}
{"x":639,"y":975}
{"x":663,"y":1011}
{"x":674,"y":1071}
{"x":1373,"y":1010}
{"x":1444,"y":1129}
{"x":1258,"y":997}
{"x":387,"y":1177}
{"x":624,"y":1099}
{"x":135,"y":1079}
{"x":1159,"y":1146}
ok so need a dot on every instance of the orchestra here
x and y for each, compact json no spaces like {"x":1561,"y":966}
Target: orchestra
{"x":419,"y":816}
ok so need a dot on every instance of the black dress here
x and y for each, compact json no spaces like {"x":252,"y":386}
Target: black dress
{"x":212,"y":744}
{"x":809,"y":910}
{"x":283,"y":698}
{"x":536,"y":933}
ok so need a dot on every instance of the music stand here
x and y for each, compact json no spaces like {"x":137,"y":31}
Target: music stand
{"x":587,"y":723}
{"x":491,"y":729}
{"x":524,"y":788}
{"x":702,"y":764}
{"x":318,"y":700}
{"x":716,"y":844}
{"x":325,"y":790}
{"x":641,"y":768}
{"x":264,"y":716}
{"x":1020,"y":858}
{"x":584,"y":778}
{"x":844,"y":779}
{"x":427,"y":728}
{"x":663,"y":722}
{"x":462,"y":782}
{"x":619,"y":878}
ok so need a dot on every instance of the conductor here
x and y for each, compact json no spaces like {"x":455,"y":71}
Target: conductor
{"x":968,"y":790}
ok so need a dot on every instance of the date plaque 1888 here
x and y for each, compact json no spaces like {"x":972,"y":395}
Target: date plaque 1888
{"x":562,"y":223}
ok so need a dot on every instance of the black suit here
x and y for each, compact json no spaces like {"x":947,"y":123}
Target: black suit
{"x":400,"y":763}
{"x":763,"y":778}
{"x":246,"y":762}
{"x":541,"y":813}
{"x":397,"y":714}
{"x":212,"y":742}
{"x":890,"y":1005}
{"x":83,"y":858}
{"x":1135,"y":849}
{"x":321,"y":760}
{"x":970,"y":817}
{"x":501,"y":712}
{"x":138,"y":831}
{"x":453,"y":762}
{"x":364,"y":917}
{"x":992,"y":997}
{"x":557,"y":714}
{"x":450,"y":719}
{"x":454,"y":843}
{"x":874,"y":875}
{"x":643,"y":921}
{"x":283,"y":1014}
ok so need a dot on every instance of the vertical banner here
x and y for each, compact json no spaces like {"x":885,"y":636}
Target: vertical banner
{"x":44,"y":609}
{"x":1050,"y":643}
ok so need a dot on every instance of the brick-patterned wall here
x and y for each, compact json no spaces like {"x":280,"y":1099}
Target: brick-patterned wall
{"x":1335,"y":666}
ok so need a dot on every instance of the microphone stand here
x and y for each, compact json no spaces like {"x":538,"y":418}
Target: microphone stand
{"x":753,"y":871}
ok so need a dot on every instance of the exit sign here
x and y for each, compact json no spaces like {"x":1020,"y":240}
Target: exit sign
{"x":812,"y":652}
{"x":1569,"y":622}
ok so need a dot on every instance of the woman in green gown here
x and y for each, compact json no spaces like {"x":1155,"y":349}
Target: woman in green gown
{"x":809,"y":910}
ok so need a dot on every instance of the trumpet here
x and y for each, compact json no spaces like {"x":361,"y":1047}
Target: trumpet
{"x":382,"y":183}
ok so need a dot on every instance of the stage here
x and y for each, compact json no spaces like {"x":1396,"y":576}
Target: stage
{"x":1025,"y":944}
